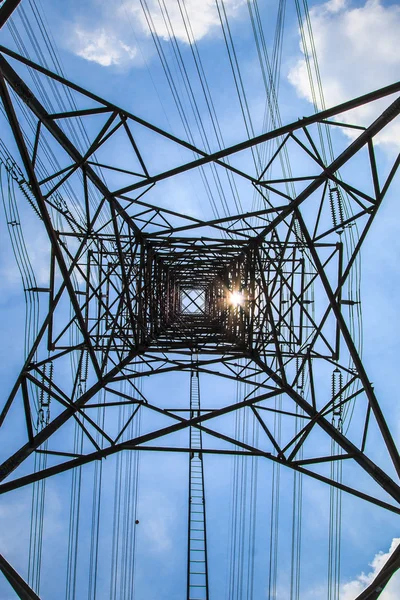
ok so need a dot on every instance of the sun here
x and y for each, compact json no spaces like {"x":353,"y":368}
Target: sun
{"x":236,"y":299}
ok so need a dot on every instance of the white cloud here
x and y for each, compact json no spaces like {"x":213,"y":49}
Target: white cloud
{"x":103,"y":48}
{"x":352,"y":589}
{"x":199,"y":18}
{"x":335,"y":5}
{"x":108,"y":45}
{"x":357,"y":50}
{"x":38,"y":249}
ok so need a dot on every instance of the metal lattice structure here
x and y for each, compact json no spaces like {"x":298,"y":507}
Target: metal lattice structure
{"x":137,"y":290}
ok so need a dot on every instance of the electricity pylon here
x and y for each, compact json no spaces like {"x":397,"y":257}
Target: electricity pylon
{"x":138,"y":290}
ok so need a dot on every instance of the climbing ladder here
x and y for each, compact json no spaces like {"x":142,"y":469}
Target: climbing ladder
{"x":197,"y":579}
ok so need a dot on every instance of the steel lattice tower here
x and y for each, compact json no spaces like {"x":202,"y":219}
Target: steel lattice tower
{"x":148,"y":291}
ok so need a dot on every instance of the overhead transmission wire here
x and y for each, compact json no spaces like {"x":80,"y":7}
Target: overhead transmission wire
{"x":208,"y":99}
{"x":191,"y":98}
{"x":350,"y":232}
{"x":177,"y":100}
{"x":32,"y":311}
{"x":75,"y":127}
{"x":74,"y":518}
{"x":236,"y":581}
{"x":275,"y":508}
{"x":96,"y":507}
{"x":60,"y":102}
{"x":270,"y":75}
{"x":270,"y":71}
{"x":125,"y":516}
{"x":152,"y":79}
{"x":243,"y":508}
{"x":49,"y":153}
{"x":18,"y":244}
{"x":75,"y":489}
{"x":38,"y":495}
{"x":201,"y":74}
{"x":38,"y":498}
{"x":48,"y":103}
{"x":238,"y":79}
{"x":244,"y":504}
{"x":340,"y":202}
{"x":51,"y":48}
{"x":193,"y":102}
{"x":253,"y":8}
{"x":43,"y":61}
{"x":246,"y":529}
{"x":63,"y":108}
{"x":335,"y":500}
{"x":334,"y":532}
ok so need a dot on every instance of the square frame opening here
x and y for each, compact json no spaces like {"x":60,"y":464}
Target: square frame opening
{"x":192,"y":301}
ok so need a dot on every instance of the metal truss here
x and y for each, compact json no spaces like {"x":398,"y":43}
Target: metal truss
{"x":137,"y":289}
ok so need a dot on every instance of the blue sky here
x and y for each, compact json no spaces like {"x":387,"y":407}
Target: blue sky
{"x":109,"y":50}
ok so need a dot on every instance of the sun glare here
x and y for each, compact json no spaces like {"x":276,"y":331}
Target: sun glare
{"x":236,"y":299}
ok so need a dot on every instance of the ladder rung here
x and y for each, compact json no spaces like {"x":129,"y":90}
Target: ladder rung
{"x":193,"y":560}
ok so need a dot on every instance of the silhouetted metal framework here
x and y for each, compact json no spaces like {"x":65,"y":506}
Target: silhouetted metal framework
{"x":147,"y":288}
